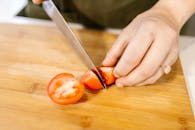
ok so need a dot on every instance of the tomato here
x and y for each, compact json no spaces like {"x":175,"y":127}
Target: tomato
{"x":65,"y":89}
{"x":91,"y":81}
{"x":107,"y":74}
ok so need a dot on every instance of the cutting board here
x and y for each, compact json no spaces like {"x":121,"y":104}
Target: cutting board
{"x":31,"y":55}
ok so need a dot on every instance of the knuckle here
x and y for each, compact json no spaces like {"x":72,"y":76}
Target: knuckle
{"x":130,"y":61}
{"x":118,"y":72}
{"x":123,"y":67}
{"x":111,"y":55}
{"x":146,"y":71}
{"x":150,"y":27}
{"x":124,"y":31}
{"x":139,"y":16}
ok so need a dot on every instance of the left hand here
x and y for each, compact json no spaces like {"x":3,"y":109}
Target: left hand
{"x":145,"y":49}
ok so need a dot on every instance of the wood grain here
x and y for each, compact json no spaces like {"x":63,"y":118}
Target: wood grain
{"x":31,"y":55}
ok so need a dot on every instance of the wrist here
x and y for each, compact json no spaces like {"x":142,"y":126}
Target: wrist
{"x":176,"y":11}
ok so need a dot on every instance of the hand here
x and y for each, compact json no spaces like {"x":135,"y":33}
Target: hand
{"x":147,"y":45}
{"x":142,"y":48}
{"x":37,"y":1}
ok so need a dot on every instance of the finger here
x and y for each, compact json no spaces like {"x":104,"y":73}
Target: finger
{"x":152,"y":79}
{"x":173,"y":55}
{"x":170,"y":60}
{"x":120,"y":44}
{"x":150,"y":64}
{"x":37,"y":1}
{"x":115,"y":52}
{"x":134,"y":53}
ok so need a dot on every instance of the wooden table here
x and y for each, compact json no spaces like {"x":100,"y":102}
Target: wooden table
{"x":31,"y":55}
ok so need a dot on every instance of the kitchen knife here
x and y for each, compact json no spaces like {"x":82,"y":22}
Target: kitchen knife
{"x":61,"y":23}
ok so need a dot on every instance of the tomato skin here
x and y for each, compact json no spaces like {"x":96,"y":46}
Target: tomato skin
{"x":91,"y":81}
{"x":64,"y":89}
{"x":107,"y":74}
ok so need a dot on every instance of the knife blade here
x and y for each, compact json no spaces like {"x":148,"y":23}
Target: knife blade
{"x":52,"y":11}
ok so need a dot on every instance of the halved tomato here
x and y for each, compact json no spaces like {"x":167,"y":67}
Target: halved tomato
{"x":91,"y":81}
{"x":65,"y":89}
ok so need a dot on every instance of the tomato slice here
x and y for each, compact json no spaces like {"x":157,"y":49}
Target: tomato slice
{"x":107,"y":74}
{"x":65,"y":89}
{"x":91,"y":81}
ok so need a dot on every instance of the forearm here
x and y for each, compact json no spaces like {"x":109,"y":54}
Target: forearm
{"x":179,"y":11}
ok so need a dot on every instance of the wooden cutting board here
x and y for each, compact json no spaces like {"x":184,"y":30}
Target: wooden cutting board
{"x":31,"y":55}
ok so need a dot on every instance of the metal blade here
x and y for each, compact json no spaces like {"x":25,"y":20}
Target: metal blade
{"x":55,"y":15}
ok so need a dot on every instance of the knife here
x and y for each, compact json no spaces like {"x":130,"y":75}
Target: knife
{"x":61,"y":23}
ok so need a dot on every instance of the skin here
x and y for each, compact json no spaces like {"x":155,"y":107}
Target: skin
{"x":149,"y":42}
{"x":37,"y":1}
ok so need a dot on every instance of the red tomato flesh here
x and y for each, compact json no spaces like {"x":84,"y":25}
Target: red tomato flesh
{"x":91,"y":81}
{"x":107,"y":74}
{"x":65,"y":89}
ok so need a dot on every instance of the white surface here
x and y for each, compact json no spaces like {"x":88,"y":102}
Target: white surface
{"x":9,"y":8}
{"x":187,"y":56}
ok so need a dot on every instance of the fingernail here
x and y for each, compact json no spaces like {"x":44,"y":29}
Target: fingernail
{"x":119,"y":85}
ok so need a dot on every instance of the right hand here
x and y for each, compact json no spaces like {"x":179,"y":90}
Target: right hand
{"x":37,"y":1}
